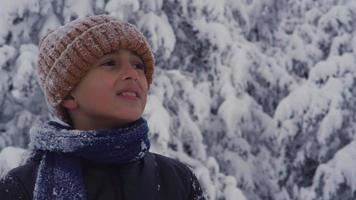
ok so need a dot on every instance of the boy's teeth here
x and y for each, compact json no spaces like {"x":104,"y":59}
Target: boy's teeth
{"x":133,"y":94}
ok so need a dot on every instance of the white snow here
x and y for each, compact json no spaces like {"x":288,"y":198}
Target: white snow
{"x":162,"y":35}
{"x":77,"y":9}
{"x":158,"y":121}
{"x":11,"y":157}
{"x":122,"y":9}
{"x":26,"y":63}
{"x":339,"y":170}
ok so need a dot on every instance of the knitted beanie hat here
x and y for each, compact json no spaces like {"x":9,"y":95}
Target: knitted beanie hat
{"x":66,"y":54}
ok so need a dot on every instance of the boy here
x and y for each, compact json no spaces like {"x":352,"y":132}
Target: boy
{"x":95,"y":73}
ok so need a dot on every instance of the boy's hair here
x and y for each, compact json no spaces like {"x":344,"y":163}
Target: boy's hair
{"x":66,"y":54}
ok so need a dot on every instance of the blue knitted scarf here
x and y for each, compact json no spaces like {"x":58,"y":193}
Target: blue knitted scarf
{"x":59,"y":174}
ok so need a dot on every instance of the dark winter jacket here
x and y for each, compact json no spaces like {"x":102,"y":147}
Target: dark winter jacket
{"x":154,"y":177}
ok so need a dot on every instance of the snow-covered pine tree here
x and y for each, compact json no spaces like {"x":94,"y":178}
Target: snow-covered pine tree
{"x":316,"y":120}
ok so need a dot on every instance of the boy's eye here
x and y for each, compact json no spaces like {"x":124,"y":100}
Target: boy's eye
{"x":140,"y":66}
{"x":109,"y":63}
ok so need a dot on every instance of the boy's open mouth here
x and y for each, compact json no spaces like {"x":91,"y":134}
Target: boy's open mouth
{"x":129,"y":91}
{"x":130,"y":95}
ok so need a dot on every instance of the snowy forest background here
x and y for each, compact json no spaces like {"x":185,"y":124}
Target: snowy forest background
{"x":259,"y":97}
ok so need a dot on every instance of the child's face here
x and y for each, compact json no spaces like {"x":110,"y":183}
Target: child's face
{"x":113,"y":93}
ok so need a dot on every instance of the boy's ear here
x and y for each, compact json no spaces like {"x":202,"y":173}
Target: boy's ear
{"x":69,"y":102}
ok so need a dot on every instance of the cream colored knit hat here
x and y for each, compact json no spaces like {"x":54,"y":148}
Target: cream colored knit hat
{"x":67,"y":53}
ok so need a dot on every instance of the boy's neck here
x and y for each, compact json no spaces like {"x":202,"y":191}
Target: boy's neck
{"x":85,"y":123}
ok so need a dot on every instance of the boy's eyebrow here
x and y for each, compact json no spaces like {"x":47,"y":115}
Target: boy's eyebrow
{"x":107,"y":55}
{"x":135,"y":57}
{"x":132,"y":56}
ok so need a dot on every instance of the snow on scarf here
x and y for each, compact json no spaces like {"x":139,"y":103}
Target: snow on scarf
{"x":59,"y":174}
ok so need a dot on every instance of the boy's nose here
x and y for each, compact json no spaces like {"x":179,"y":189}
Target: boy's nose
{"x":129,"y":72}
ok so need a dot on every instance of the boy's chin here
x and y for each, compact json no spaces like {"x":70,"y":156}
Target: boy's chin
{"x":127,"y":120}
